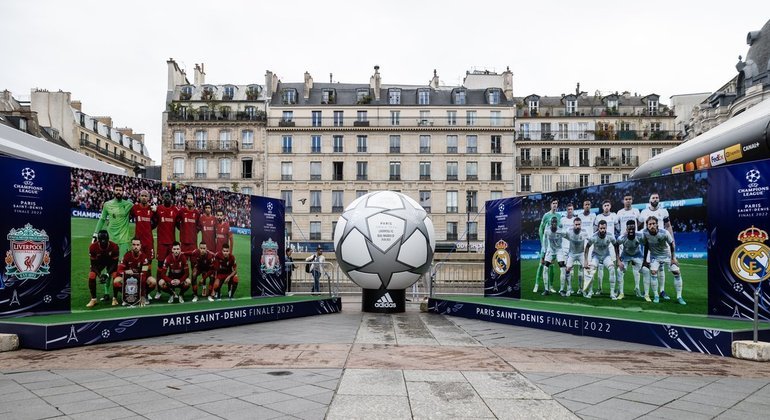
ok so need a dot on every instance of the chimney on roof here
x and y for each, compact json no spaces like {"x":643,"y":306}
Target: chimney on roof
{"x":126,"y":131}
{"x":308,"y":85}
{"x":375,"y":83}
{"x":106,"y":120}
{"x":77,"y":105}
{"x":577,"y":89}
{"x":508,"y":84}
{"x":200,"y":75}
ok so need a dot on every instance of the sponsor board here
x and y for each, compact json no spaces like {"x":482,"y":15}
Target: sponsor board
{"x":717,"y":158}
{"x":733,"y":153}
{"x":96,"y":331}
{"x":703,"y":162}
{"x":693,"y":339}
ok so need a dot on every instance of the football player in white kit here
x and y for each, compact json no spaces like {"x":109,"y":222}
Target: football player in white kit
{"x":629,"y":251}
{"x":551,"y":248}
{"x":626,"y":214}
{"x":610,"y":219}
{"x":655,"y":209}
{"x":576,"y":237}
{"x":603,"y":243}
{"x":587,"y":217}
{"x":659,"y":244}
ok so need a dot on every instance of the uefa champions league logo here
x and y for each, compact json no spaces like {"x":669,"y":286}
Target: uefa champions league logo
{"x":269,"y":207}
{"x":501,"y":207}
{"x":753,"y":176}
{"x":28,"y":174}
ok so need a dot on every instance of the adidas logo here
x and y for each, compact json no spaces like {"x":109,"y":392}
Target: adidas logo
{"x":385,"y":302}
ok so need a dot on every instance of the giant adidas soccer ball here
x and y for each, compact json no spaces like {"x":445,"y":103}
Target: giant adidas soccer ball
{"x":384,"y":240}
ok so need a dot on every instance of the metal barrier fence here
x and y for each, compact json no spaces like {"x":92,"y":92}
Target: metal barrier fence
{"x":446,"y":278}
{"x":456,"y":278}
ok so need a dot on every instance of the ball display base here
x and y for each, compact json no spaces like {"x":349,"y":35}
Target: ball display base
{"x":383,"y":301}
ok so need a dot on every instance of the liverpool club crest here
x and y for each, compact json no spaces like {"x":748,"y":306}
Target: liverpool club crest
{"x":269,"y":263}
{"x":27,"y":258}
{"x":749,"y":261}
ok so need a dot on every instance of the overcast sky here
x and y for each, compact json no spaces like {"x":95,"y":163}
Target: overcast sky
{"x":112,"y":55}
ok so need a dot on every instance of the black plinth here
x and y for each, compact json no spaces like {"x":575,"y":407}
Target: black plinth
{"x":383,"y":301}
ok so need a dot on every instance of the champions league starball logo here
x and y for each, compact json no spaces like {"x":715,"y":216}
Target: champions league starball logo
{"x":28,"y":174}
{"x":269,"y":207}
{"x":753,"y":176}
{"x":749,"y":261}
{"x":501,"y":207}
{"x":27,"y":257}
{"x":501,"y":259}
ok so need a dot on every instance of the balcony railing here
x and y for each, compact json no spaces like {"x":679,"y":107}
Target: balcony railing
{"x":361,"y":177}
{"x":315,"y":177}
{"x":471,"y":177}
{"x":328,"y":121}
{"x":315,"y":209}
{"x":212,"y":146}
{"x":337,"y":209}
{"x":395,"y":149}
{"x":213,"y":116}
{"x":424,"y":177}
{"x":451,"y":177}
{"x":581,"y":135}
{"x":286,"y":177}
{"x":395,"y":177}
{"x":451,"y":209}
{"x":105,"y":152}
{"x":561,"y":186}
{"x":616,"y":162}
{"x":224,"y":175}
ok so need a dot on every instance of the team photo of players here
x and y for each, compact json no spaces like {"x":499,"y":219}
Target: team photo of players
{"x":600,"y":252}
{"x":184,"y":232}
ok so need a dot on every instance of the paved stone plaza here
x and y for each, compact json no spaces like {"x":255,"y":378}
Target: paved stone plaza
{"x":356,"y":365}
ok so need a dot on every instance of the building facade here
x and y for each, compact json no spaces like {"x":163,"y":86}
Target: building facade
{"x":92,"y":136}
{"x":213,"y":135}
{"x":749,"y":86}
{"x":579,"y":140}
{"x":448,"y":148}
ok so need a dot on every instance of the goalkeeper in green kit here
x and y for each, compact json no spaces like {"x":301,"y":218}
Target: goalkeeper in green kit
{"x":115,"y":212}
{"x":545,"y":222}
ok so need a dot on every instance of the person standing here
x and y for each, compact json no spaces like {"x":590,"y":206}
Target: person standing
{"x":115,"y":213}
{"x":545,"y":222}
{"x":187,"y":223}
{"x":289,"y":267}
{"x":316,"y":269}
{"x":165,"y":215}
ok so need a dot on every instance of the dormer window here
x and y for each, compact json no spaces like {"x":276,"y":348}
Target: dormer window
{"x":289,"y":96}
{"x":459,"y":97}
{"x":208,"y":93}
{"x":328,"y":97}
{"x":229,"y":93}
{"x":423,"y":97}
{"x":394,"y":96}
{"x":493,"y":97}
{"x":612,"y":104}
{"x":186,"y":93}
{"x":252,"y":93}
{"x":362,"y":96}
{"x":534,"y":104}
{"x":652,"y":106}
{"x":571,"y":106}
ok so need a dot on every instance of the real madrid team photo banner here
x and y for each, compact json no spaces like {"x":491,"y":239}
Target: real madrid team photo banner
{"x":82,"y":240}
{"x":694,"y":242}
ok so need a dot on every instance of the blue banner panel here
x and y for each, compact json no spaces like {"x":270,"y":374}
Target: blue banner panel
{"x":501,"y":249}
{"x":739,"y":255}
{"x":694,"y":339}
{"x":50,"y":337}
{"x":34,"y":219}
{"x":268,"y":247}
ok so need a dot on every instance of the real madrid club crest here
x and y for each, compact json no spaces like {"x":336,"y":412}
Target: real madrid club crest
{"x":501,"y":260}
{"x":27,"y":258}
{"x":749,"y":261}
{"x":269,"y":262}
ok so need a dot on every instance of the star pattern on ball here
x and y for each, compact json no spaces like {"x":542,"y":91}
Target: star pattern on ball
{"x":413,"y":218}
{"x":384,"y":263}
{"x":357,"y":218}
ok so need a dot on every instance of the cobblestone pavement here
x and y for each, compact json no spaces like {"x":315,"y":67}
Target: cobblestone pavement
{"x":357,"y":365}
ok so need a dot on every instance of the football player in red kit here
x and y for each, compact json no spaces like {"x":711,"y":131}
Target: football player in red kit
{"x":224,"y":236}
{"x":135,"y":263}
{"x":104,"y":256}
{"x":144,"y":219}
{"x":165,"y":215}
{"x":175,"y":273}
{"x":226,"y":273}
{"x":187,"y":222}
{"x":207,"y":224}
{"x":202,"y":261}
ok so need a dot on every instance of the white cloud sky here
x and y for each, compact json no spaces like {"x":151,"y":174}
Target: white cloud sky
{"x":112,"y":55}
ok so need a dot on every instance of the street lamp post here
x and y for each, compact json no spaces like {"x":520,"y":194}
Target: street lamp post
{"x":468,"y":221}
